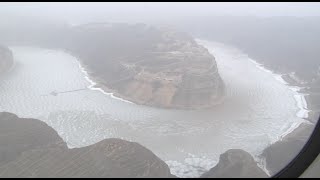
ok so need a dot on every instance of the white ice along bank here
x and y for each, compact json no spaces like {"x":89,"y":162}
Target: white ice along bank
{"x":93,"y":84}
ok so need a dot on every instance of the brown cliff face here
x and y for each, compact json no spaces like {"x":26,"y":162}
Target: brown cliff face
{"x":145,"y":65}
{"x":30,"y":148}
{"x":6,"y":59}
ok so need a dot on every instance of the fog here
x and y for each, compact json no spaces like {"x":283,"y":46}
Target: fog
{"x":147,"y":11}
{"x":200,"y":85}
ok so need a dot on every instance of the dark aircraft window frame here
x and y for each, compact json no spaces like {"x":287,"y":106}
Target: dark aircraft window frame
{"x":305,"y":158}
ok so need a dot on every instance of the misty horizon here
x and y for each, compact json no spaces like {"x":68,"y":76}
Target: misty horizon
{"x":161,"y":11}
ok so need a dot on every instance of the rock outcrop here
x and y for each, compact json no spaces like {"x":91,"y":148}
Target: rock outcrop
{"x":148,"y":65}
{"x":235,"y":163}
{"x":281,"y":153}
{"x":18,"y":135}
{"x":30,"y":148}
{"x":6,"y":59}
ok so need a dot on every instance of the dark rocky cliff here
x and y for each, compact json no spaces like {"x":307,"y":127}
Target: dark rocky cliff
{"x":30,"y":148}
{"x":281,"y":153}
{"x":235,"y":163}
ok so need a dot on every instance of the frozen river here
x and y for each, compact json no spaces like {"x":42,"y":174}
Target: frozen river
{"x":259,"y":108}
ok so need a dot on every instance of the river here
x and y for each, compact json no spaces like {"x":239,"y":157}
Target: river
{"x":258,"y":110}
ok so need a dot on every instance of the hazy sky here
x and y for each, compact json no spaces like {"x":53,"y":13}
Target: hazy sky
{"x":140,"y":11}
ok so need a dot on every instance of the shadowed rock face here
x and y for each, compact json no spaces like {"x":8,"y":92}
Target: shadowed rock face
{"x":235,"y":163}
{"x":281,"y":153}
{"x":18,"y":135}
{"x":6,"y":59}
{"x":30,"y":148}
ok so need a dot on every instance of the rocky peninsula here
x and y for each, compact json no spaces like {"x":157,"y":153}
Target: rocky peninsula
{"x":147,"y":65}
{"x":155,"y":66}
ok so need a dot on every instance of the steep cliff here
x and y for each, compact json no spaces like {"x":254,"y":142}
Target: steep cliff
{"x":235,"y":163}
{"x":30,"y":148}
{"x":148,"y":65}
{"x":6,"y":59}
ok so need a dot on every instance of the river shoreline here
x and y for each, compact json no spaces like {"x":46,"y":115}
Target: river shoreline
{"x":300,"y":99}
{"x":296,"y":129}
{"x":303,"y":112}
{"x":96,"y":85}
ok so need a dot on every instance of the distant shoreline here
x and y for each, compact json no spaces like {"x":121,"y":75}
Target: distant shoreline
{"x":303,"y":113}
{"x":10,"y":65}
{"x":300,"y":99}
